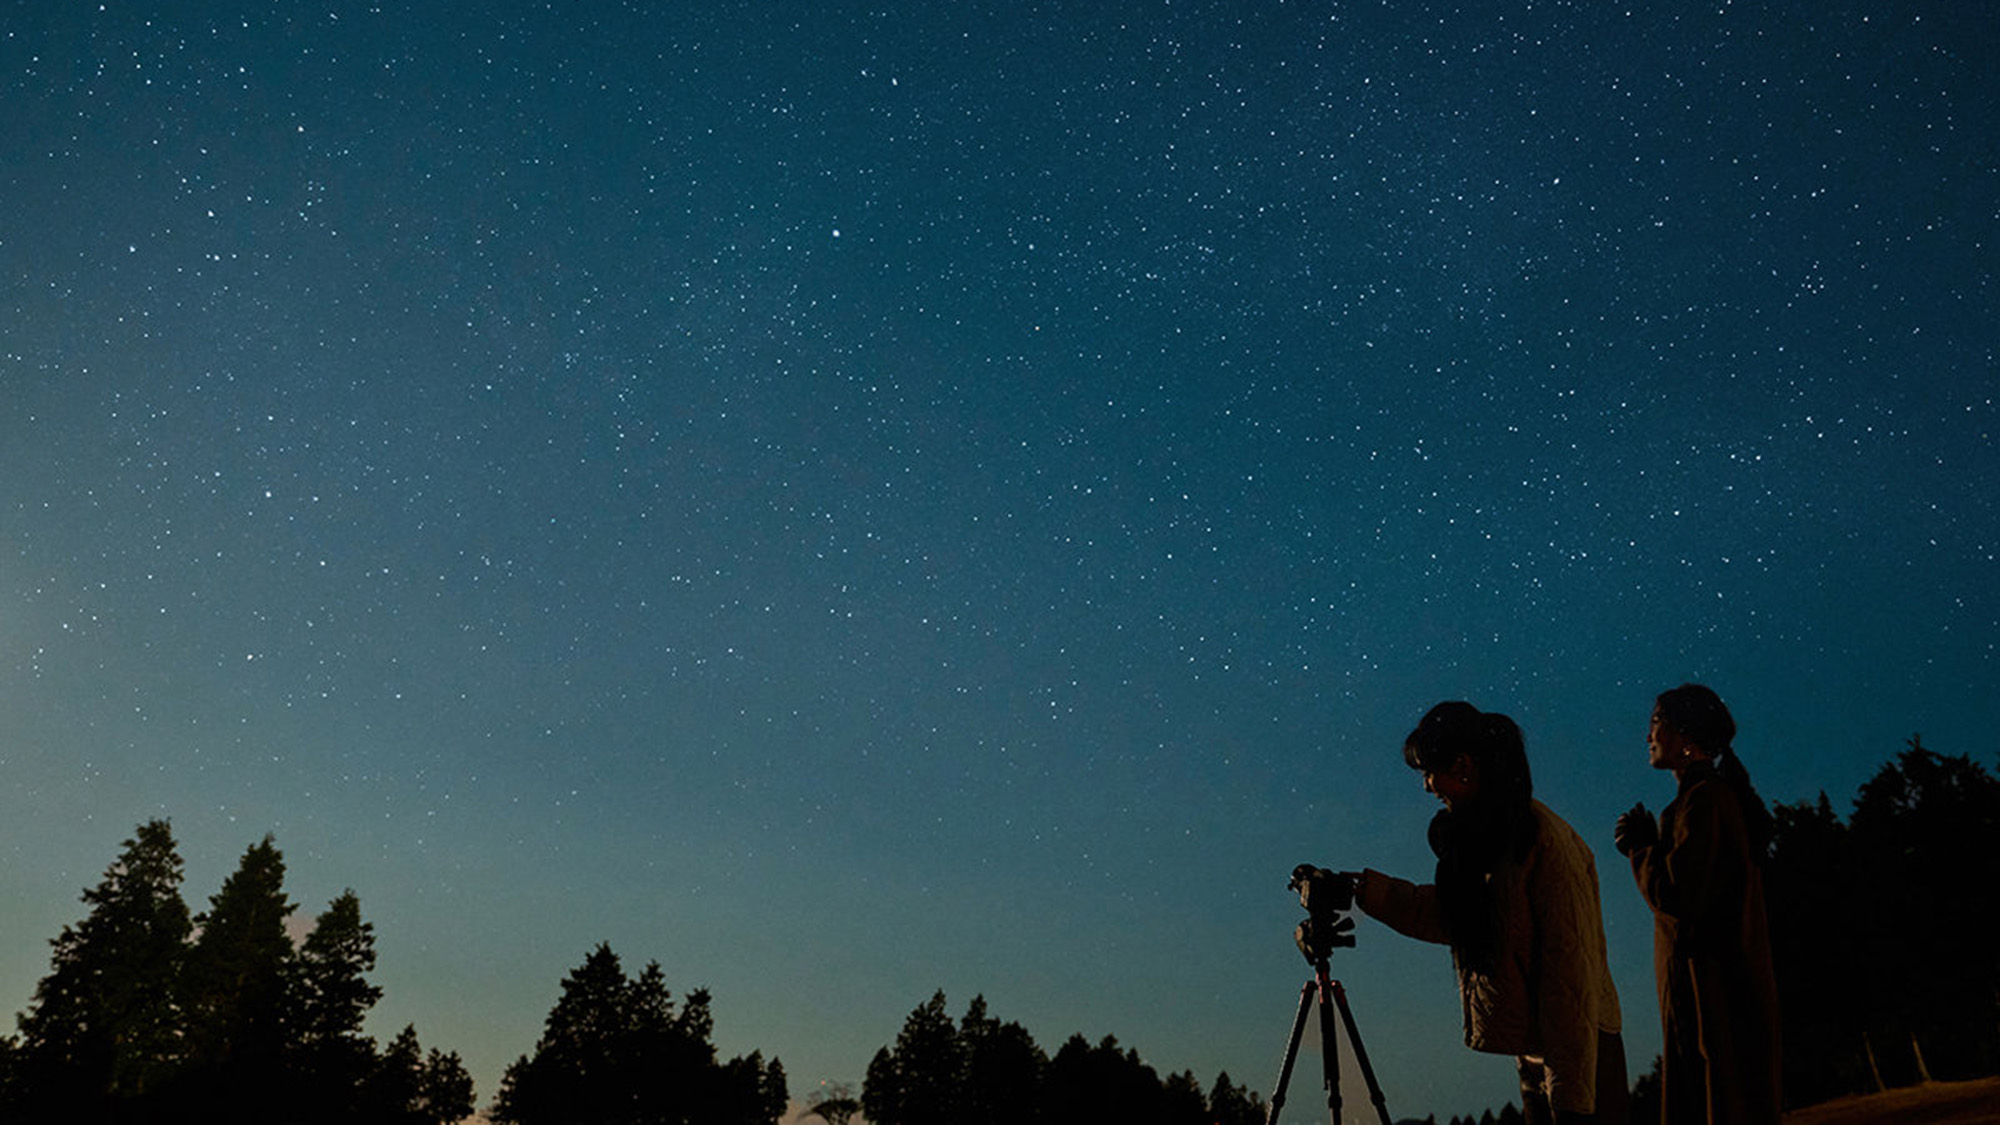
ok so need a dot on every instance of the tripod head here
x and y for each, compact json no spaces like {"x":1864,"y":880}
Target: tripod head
{"x":1328,"y":896}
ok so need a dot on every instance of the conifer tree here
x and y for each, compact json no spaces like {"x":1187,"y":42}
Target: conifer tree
{"x":103,"y":1033}
{"x":412,"y":1087}
{"x":239,"y":977}
{"x":1181,"y":1101}
{"x":918,"y":1082}
{"x":330,"y":996}
{"x":1230,"y":1104}
{"x":1004,"y":1070}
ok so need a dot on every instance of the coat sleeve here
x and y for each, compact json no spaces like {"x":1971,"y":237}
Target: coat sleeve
{"x":1681,"y":875}
{"x":1403,"y":906}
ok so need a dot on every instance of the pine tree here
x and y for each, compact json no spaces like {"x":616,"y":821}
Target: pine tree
{"x":410,"y":1087}
{"x":576,"y":1065}
{"x":103,"y":1034}
{"x":1004,"y":1070}
{"x":329,"y":999}
{"x":919,"y":1081}
{"x":1230,"y":1104}
{"x":747,"y":1092}
{"x":239,"y":978}
{"x":1181,"y":1102}
{"x":444,"y":1091}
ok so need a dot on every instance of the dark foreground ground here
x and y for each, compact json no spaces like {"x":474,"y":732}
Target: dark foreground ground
{"x":1934,"y":1103}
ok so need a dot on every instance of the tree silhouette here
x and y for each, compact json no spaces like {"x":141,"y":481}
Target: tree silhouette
{"x":1645,"y":1106}
{"x":103,"y":1032}
{"x":410,"y":1087}
{"x":1003,"y":1070}
{"x":1926,"y":830}
{"x":1820,"y":998}
{"x":1887,"y":969}
{"x":835,"y":1104}
{"x":614,"y":1051}
{"x":330,"y":999}
{"x":983,"y":1071}
{"x":238,"y":979}
{"x":747,"y":1092}
{"x":1181,"y":1101}
{"x":149,"y":1015}
{"x":1230,"y":1104}
{"x":918,"y":1082}
{"x":1090,"y":1084}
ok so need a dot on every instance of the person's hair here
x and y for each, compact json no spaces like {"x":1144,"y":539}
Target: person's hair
{"x":1491,"y":740}
{"x":1697,"y":714}
{"x":1495,"y":825}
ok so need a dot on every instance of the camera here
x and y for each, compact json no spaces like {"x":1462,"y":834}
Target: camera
{"x":1327,"y":897}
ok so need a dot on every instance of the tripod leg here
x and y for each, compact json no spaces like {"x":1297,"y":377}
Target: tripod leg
{"x":1360,"y":1052}
{"x":1291,"y":1052}
{"x":1329,"y":1044}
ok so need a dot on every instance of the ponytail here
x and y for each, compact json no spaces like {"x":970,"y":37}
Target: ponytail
{"x":1756,"y":817}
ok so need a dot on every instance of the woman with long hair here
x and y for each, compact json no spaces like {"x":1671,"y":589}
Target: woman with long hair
{"x":1701,"y":870}
{"x":1515,"y":898}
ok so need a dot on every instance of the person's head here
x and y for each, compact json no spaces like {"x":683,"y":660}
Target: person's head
{"x":1469,"y":756}
{"x":1690,"y":724}
{"x":1476,"y":763}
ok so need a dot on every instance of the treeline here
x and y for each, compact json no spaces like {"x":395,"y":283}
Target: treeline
{"x":1509,"y":1114}
{"x":980,"y":1071}
{"x":152,"y":1014}
{"x":1888,"y":974}
{"x":1883,"y":933}
{"x":1644,"y":1108}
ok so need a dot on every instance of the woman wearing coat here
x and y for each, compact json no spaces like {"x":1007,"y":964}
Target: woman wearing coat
{"x":1516,"y":899}
{"x":1700,"y":869}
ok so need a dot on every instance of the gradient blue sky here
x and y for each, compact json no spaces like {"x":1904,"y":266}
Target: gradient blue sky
{"x":852,"y":500}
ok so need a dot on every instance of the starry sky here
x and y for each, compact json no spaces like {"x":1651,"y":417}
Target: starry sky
{"x":852,"y":500}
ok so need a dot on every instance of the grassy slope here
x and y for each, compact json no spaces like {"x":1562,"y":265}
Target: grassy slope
{"x":1936,"y":1103}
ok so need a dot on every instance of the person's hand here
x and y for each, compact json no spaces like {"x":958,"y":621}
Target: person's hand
{"x":1636,"y":829}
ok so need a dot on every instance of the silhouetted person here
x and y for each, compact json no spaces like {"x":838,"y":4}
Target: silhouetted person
{"x":1516,"y":899}
{"x":1700,"y":869}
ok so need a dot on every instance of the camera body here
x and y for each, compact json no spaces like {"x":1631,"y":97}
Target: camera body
{"x":1328,"y":896}
{"x":1322,"y":891}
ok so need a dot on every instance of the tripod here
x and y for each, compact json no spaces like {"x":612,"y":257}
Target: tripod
{"x":1330,"y":995}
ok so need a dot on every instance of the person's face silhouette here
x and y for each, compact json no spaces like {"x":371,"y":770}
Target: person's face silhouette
{"x":1456,"y":783}
{"x":1666,"y":748}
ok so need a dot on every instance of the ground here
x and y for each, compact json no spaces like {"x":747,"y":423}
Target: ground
{"x":1934,"y":1103}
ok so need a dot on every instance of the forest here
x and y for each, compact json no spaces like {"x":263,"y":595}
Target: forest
{"x":1888,"y":974}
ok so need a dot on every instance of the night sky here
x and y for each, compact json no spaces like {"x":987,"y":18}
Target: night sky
{"x":855,"y":500}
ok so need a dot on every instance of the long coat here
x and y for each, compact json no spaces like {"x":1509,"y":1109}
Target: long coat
{"x":1712,"y":959}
